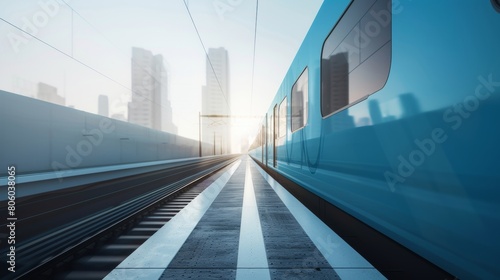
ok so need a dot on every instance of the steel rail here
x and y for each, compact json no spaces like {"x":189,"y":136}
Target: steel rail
{"x":48,"y":250}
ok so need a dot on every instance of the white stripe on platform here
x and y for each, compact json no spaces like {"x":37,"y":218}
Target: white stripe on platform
{"x":153,"y":256}
{"x":252,"y":258}
{"x":346,"y":262}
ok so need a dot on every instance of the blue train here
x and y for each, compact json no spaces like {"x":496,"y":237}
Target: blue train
{"x":390,"y":111}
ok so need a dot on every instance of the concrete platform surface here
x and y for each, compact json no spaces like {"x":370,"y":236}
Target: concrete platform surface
{"x":245,"y":226}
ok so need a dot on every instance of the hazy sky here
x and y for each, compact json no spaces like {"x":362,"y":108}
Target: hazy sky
{"x":100,"y":34}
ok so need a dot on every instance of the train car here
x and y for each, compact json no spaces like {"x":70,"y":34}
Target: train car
{"x":390,"y":112}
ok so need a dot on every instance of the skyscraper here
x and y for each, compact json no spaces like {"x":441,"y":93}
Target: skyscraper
{"x":409,"y":104}
{"x":216,"y":101}
{"x":49,"y":93}
{"x":103,"y":106}
{"x":150,"y":106}
{"x":335,"y":83}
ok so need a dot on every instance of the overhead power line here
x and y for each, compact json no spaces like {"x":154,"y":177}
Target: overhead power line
{"x":77,"y":60}
{"x":115,"y":46}
{"x":206,"y":54}
{"x":68,"y":55}
{"x":254,"y":50}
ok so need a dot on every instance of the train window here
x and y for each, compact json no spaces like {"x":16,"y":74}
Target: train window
{"x":275,"y":123}
{"x":270,"y":128}
{"x":356,"y":55}
{"x":299,"y":101}
{"x":496,"y":5}
{"x":282,"y":119}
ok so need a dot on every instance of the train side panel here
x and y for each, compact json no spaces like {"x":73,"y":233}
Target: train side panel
{"x":417,"y":160}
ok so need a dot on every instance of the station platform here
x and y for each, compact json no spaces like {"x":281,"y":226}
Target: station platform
{"x":245,"y":226}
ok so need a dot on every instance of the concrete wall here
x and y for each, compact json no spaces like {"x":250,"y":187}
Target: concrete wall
{"x":36,"y":136}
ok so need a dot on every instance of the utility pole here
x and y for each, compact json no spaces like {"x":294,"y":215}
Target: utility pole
{"x":220,"y":117}
{"x":199,"y":132}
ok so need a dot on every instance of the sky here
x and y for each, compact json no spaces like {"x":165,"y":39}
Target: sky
{"x":83,"y":47}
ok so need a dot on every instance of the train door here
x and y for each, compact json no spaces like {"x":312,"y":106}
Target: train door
{"x":275,"y":132}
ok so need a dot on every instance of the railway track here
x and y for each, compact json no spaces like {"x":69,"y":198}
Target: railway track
{"x":89,"y":247}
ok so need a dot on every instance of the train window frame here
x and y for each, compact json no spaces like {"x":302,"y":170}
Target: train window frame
{"x":270,"y":119}
{"x":354,"y":18}
{"x":282,"y":119}
{"x":496,"y":5}
{"x":303,"y":78}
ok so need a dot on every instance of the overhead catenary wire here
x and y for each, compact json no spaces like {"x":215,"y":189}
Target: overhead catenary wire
{"x":71,"y":57}
{"x":186,"y":3}
{"x":77,"y":60}
{"x":90,"y":24}
{"x":208,"y":57}
{"x":254,"y":51}
{"x":73,"y":10}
